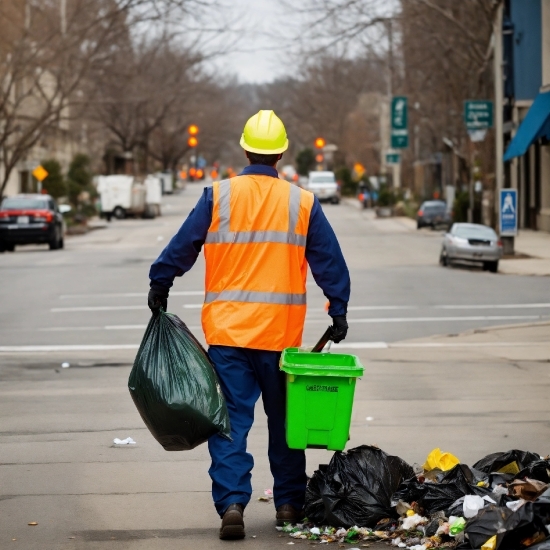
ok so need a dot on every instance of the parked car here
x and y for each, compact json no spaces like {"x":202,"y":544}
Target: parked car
{"x":30,"y":219}
{"x":433,"y":213}
{"x":471,"y":242}
{"x":324,"y":186}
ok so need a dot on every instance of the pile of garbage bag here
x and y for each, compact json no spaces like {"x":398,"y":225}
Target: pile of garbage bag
{"x":502,"y":502}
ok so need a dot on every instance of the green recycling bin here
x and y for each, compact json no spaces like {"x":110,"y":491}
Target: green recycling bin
{"x":320,"y":388}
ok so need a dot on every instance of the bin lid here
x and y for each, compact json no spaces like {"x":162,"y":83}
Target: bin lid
{"x":303,"y":363}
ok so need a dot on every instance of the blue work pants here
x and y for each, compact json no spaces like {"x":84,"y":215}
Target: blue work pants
{"x":244,"y":374}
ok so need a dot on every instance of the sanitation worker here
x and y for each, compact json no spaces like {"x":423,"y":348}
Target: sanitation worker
{"x":259,"y":235}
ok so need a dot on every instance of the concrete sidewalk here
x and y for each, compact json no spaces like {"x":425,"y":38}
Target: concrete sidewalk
{"x":535,"y":244}
{"x":471,"y":394}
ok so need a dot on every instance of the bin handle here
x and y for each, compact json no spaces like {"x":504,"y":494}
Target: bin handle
{"x":327,"y":336}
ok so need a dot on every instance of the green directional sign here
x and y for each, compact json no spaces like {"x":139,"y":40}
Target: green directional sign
{"x":478,"y":114}
{"x":399,"y":123}
{"x":393,"y":158}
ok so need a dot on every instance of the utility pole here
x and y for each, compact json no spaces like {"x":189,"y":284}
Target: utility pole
{"x":63,"y":14}
{"x":507,"y":242}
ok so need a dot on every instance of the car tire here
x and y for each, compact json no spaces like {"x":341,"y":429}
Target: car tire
{"x":62,"y":243}
{"x":54,"y":243}
{"x":492,"y":266}
{"x":335,"y":201}
{"x":10,"y":247}
{"x":443,"y":258}
{"x":119,"y":213}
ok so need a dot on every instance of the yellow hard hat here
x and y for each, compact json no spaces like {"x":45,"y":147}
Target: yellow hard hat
{"x":264,"y":133}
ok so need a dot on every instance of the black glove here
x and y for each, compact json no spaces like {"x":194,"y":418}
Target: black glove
{"x":339,"y":328}
{"x":158,"y":298}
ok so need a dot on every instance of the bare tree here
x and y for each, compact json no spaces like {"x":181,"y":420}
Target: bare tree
{"x":48,"y":51}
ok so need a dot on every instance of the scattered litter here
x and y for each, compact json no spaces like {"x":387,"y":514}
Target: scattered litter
{"x":473,"y":504}
{"x":441,"y":461}
{"x":33,"y":523}
{"x":127,"y":441}
{"x":411,"y":522}
{"x":527,"y":489}
{"x":65,"y":365}
{"x":491,"y":544}
{"x":457,"y":526}
{"x":515,"y":505}
{"x":369,"y":419}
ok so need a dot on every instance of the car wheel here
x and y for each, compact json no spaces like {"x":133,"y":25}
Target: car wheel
{"x":119,"y":213}
{"x":10,"y":247}
{"x":492,"y":266}
{"x":335,"y":200}
{"x":443,"y":258}
{"x":54,"y":243}
{"x":62,"y":243}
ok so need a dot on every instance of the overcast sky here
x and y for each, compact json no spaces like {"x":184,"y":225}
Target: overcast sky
{"x":261,"y":56}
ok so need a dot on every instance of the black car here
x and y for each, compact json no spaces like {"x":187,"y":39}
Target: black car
{"x":433,"y":213}
{"x":30,"y":219}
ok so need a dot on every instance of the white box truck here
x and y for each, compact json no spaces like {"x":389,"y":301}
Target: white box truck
{"x":167,"y":182}
{"x":122,"y":196}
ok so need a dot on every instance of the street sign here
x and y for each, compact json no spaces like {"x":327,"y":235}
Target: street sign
{"x":393,"y":158}
{"x":399,"y":123}
{"x":478,"y":114}
{"x":508,"y":202}
{"x":40,"y":173}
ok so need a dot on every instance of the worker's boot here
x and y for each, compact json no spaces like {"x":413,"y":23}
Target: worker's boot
{"x":232,"y":523}
{"x":288,"y":514}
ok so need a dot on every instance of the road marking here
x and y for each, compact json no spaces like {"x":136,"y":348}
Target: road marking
{"x":130,"y":294}
{"x":438,"y":319}
{"x":95,"y":308}
{"x":342,"y":345}
{"x":411,"y":345}
{"x":380,"y":308}
{"x":71,"y":347}
{"x":192,"y":306}
{"x":495,"y":306}
{"x":106,"y":327}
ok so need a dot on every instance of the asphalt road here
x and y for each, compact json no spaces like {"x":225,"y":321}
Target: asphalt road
{"x":93,"y":293}
{"x":86,"y":306}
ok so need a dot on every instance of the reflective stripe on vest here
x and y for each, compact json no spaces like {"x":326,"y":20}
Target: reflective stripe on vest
{"x":254,"y":296}
{"x":223,"y":235}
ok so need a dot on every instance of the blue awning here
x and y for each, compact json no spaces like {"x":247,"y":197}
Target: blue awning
{"x":534,"y":126}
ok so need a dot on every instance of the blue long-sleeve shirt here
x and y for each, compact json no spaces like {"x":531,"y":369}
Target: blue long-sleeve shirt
{"x":323,"y":253}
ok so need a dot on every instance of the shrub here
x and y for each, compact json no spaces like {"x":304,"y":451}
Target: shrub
{"x":54,"y":184}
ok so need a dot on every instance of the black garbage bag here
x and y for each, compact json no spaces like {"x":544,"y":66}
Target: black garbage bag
{"x":441,"y":495}
{"x":355,"y":488}
{"x":540,"y":470}
{"x":505,"y":461}
{"x":514,"y":530}
{"x":175,"y":388}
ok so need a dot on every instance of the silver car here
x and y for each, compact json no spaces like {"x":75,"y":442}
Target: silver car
{"x":471,"y":242}
{"x":324,"y":186}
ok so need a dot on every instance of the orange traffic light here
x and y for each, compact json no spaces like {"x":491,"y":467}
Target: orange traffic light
{"x":320,"y":143}
{"x":319,"y":158}
{"x":199,"y":174}
{"x":192,"y":172}
{"x":192,"y":141}
{"x":193,"y":130}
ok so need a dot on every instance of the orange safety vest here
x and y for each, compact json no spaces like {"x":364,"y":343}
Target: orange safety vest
{"x":255,"y":264}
